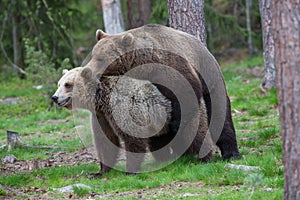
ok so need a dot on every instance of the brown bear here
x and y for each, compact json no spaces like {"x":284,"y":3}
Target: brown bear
{"x":112,"y":100}
{"x":159,"y":45}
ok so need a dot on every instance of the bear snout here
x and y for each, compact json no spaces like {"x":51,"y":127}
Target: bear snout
{"x":54,"y":98}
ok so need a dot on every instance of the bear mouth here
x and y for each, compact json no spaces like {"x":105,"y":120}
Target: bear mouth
{"x":64,"y":102}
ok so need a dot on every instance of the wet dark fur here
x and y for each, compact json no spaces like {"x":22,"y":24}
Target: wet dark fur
{"x":112,"y":55}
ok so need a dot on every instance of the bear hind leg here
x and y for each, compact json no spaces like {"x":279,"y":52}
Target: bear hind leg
{"x":227,"y":141}
{"x":159,"y":149}
{"x":135,"y":152}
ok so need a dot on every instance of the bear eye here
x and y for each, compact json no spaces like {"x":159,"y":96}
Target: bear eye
{"x":68,"y":85}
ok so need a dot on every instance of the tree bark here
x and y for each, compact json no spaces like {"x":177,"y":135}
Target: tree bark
{"x":188,"y":16}
{"x":269,"y":80}
{"x":16,"y":41}
{"x":112,"y":15}
{"x":249,"y":30}
{"x":285,"y":15}
{"x":140,"y":8}
{"x":130,"y":14}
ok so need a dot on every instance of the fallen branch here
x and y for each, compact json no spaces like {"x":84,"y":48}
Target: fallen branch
{"x":13,"y":140}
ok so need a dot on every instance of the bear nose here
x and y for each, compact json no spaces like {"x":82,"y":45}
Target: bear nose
{"x":54,"y":98}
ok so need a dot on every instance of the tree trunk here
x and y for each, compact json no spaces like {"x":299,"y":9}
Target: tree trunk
{"x":285,"y":15}
{"x":269,"y":80}
{"x":16,"y":42}
{"x":249,"y":30}
{"x":144,"y":11}
{"x":112,"y":15}
{"x":139,"y":13}
{"x":188,"y":16}
{"x":130,"y":14}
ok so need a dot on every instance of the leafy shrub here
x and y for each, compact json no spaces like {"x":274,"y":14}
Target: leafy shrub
{"x":41,"y":69}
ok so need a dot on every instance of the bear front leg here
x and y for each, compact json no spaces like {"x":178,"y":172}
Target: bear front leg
{"x":106,"y":142}
{"x":135,"y":152}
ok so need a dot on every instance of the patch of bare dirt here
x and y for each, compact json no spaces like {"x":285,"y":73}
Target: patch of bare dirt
{"x":9,"y":166}
{"x":175,"y":189}
{"x":153,"y":193}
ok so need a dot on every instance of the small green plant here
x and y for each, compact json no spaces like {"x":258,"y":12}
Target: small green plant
{"x":80,"y":191}
{"x":267,"y":133}
{"x":3,"y":192}
{"x":261,"y":112}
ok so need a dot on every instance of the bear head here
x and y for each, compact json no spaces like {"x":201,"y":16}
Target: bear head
{"x":108,"y":49}
{"x":63,"y":95}
{"x":76,"y":87}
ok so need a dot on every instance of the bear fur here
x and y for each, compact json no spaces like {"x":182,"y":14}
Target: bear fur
{"x":117,"y":54}
{"x":109,"y":98}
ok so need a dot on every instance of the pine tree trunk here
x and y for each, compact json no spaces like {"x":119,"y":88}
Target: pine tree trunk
{"x":144,"y":9}
{"x":188,"y":16}
{"x":269,"y":80}
{"x":15,"y":20}
{"x":138,"y":13}
{"x":285,"y":15}
{"x":112,"y":15}
{"x":249,"y":30}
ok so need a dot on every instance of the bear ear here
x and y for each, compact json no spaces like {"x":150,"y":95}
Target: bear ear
{"x":64,"y":71}
{"x":100,"y":34}
{"x":128,"y":39}
{"x":86,"y":73}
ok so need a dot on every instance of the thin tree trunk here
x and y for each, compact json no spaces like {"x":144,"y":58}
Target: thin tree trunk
{"x":188,"y":16}
{"x":249,"y":30}
{"x":144,"y":11}
{"x":16,"y":43}
{"x":285,"y":15}
{"x":112,"y":15}
{"x":269,"y":80}
{"x":130,"y":14}
{"x":140,"y":8}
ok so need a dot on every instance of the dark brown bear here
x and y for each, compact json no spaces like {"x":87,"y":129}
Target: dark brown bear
{"x":160,"y":45}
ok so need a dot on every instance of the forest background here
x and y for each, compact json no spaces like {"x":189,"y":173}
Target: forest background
{"x":63,"y":29}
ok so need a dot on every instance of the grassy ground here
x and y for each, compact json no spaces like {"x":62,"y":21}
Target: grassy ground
{"x":256,"y":121}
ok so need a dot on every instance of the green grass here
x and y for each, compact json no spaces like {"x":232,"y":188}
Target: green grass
{"x":81,"y":191}
{"x":257,"y":128}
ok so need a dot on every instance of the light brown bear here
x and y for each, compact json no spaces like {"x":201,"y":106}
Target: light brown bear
{"x":131,"y":110}
{"x":159,"y":45}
